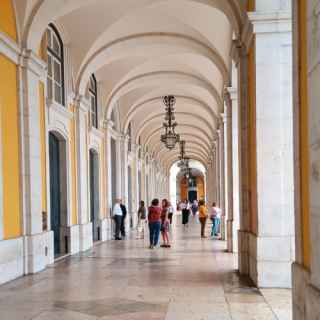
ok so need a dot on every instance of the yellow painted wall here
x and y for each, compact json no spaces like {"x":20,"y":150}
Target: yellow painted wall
{"x":183,"y":189}
{"x":43,"y":146}
{"x":73,"y":159}
{"x":304,"y":133}
{"x":252,"y":141}
{"x":10,"y":148}
{"x":7,"y":19}
{"x":251,"y":5}
{"x":200,"y":188}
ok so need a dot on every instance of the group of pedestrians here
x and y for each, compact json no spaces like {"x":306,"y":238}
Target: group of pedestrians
{"x":159,"y":219}
{"x":215,"y":217}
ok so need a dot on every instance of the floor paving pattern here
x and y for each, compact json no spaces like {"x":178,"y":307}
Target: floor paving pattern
{"x":125,"y":280}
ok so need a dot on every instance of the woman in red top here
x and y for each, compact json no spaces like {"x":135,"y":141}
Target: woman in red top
{"x":154,"y":219}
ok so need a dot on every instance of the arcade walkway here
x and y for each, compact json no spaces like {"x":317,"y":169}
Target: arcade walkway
{"x":126,"y":281}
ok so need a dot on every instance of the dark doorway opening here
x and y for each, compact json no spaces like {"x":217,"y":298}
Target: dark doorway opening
{"x":94,"y":194}
{"x":58,"y":192}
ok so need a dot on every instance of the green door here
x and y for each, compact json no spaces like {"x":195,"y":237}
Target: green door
{"x":94,"y":194}
{"x":54,"y":157}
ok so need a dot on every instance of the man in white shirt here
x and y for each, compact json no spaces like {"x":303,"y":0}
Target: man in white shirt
{"x":117,"y":217}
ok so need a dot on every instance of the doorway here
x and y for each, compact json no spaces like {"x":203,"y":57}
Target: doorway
{"x":94,"y":194}
{"x":58,"y":192}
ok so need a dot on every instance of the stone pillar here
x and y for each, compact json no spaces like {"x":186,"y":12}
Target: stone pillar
{"x":306,"y":269}
{"x":235,"y":167}
{"x":243,"y":138}
{"x":229,"y":170}
{"x":38,"y":243}
{"x":85,"y":226}
{"x":222,"y":179}
{"x":271,"y":244}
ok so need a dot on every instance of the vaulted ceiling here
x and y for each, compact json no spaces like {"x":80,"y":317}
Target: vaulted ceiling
{"x":141,"y":50}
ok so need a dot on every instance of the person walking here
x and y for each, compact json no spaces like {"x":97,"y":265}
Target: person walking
{"x":154,"y":219}
{"x":141,"y":220}
{"x":170,"y":213}
{"x":216,"y":213}
{"x":165,"y":230}
{"x":185,"y":212}
{"x":194,"y":207}
{"x":117,"y":217}
{"x":203,"y":214}
{"x":123,"y":221}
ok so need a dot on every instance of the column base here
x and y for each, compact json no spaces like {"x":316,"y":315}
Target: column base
{"x":270,"y":260}
{"x":230,"y":235}
{"x":74,"y":239}
{"x":85,"y":236}
{"x":106,"y":229}
{"x":306,"y":297}
{"x":11,"y":259}
{"x":223,"y":228}
{"x":39,"y":251}
{"x":243,"y":252}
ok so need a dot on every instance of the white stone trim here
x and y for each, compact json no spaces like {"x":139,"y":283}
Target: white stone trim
{"x":11,"y":259}
{"x":9,"y":48}
{"x":59,"y":109}
{"x":271,"y":22}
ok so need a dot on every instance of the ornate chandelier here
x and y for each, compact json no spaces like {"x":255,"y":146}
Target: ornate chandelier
{"x":183,"y":164}
{"x":170,"y":137}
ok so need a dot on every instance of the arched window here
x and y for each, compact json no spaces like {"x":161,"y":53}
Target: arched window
{"x":129,"y":134}
{"x":55,"y":79}
{"x":93,"y":101}
{"x":139,"y":153}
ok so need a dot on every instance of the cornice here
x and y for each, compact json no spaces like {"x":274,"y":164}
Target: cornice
{"x":271,"y":22}
{"x":9,"y":48}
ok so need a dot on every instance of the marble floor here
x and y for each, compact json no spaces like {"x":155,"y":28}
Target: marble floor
{"x":124,"y":280}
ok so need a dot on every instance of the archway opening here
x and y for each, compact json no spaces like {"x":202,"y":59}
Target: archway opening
{"x":191,"y":187}
{"x":58,"y":192}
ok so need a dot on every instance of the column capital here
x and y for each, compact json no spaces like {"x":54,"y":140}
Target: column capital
{"x":81,"y":102}
{"x":30,"y":61}
{"x":233,"y":93}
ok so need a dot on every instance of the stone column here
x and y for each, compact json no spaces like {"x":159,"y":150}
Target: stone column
{"x":306,"y":269}
{"x":38,"y":243}
{"x":222,"y":179}
{"x":85,"y":226}
{"x":229,"y":170}
{"x":235,"y":167}
{"x":273,"y":252}
{"x":243,"y":138}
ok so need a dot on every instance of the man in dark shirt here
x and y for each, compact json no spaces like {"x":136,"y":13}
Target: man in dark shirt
{"x":124,"y":214}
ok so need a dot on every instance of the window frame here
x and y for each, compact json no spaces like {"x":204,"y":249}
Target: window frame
{"x":93,"y":92}
{"x":60,"y":59}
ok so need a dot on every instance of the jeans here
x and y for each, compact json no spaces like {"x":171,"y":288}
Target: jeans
{"x":154,"y":228}
{"x":215,"y":226}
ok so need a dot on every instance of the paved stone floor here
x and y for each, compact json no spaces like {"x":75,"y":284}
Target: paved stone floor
{"x":124,"y":280}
